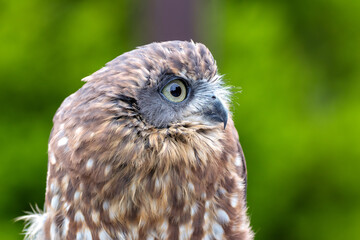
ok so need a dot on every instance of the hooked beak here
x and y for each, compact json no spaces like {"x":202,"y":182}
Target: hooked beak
{"x":216,"y":112}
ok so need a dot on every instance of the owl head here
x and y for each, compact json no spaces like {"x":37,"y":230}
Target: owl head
{"x":143,"y":105}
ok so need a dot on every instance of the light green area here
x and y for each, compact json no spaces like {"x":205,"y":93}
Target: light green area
{"x":298,"y":115}
{"x":297,"y":64}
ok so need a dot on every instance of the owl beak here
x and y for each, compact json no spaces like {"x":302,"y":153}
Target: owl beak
{"x":216,"y":112}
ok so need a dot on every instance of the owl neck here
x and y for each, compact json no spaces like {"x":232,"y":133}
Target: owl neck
{"x":175,"y":171}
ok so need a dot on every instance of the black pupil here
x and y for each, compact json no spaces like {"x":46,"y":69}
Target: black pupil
{"x":175,"y":90}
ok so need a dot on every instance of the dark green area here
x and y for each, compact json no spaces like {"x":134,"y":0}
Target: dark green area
{"x":295,"y":66}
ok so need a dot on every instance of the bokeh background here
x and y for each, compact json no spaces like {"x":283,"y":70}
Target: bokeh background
{"x":296,"y":62}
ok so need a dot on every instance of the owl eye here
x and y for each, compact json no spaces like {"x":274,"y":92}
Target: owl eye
{"x":175,"y":91}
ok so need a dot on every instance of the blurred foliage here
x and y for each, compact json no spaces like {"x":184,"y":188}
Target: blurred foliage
{"x":298,"y":115}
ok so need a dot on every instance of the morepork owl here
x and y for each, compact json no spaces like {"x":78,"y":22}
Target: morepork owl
{"x":146,"y":149}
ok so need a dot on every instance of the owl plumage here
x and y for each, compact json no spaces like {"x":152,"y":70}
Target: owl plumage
{"x":146,"y":149}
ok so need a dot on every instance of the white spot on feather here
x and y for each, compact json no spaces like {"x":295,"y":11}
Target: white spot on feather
{"x":79,"y":236}
{"x":95,"y":216}
{"x":234,"y":201}
{"x":77,"y":196}
{"x":163,"y":230}
{"x":89,"y":164}
{"x":238,"y":161}
{"x":103,"y":235}
{"x":66,"y":206}
{"x":63,"y":141}
{"x":65,"y":182}
{"x":150,"y":237}
{"x":121,"y":235}
{"x":54,"y":188}
{"x":207,"y":204}
{"x":167,"y":179}
{"x":207,"y":237}
{"x":194,"y":209}
{"x":106,"y":205}
{"x":206,"y":219}
{"x":53,"y":234}
{"x":222,"y":216}
{"x":217,"y":231}
{"x":157,"y":184}
{"x":221,"y":191}
{"x":133,"y":188}
{"x":52,"y":159}
{"x":107,"y":170}
{"x":203,"y":195}
{"x":133,"y":232}
{"x":87,"y":234}
{"x":185,"y":231}
{"x":65,"y":227}
{"x":55,"y":201}
{"x":191,"y":187}
{"x":78,"y":130}
{"x":79,"y":217}
{"x":113,"y":212}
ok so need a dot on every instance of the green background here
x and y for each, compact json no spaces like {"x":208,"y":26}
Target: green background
{"x":296,"y":68}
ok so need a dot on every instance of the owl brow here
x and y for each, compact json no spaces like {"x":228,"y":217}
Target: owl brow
{"x":163,"y":77}
{"x":127,"y":99}
{"x":166,"y":77}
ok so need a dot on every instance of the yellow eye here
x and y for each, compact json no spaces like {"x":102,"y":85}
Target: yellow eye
{"x":175,"y":91}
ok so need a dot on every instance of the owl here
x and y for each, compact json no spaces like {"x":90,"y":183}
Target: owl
{"x":146,"y":149}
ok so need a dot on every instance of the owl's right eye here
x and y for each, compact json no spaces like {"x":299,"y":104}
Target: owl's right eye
{"x":175,"y":91}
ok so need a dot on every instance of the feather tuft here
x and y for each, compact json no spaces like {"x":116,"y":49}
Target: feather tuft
{"x":34,"y":222}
